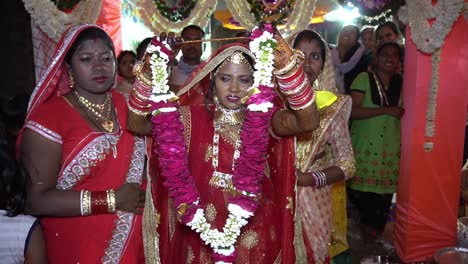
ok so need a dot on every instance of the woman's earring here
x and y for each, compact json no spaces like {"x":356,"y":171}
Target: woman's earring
{"x":71,"y":81}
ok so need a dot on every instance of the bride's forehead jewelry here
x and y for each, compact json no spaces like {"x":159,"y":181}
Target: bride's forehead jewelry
{"x":237,"y":59}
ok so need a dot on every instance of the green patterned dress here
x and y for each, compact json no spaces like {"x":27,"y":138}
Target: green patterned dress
{"x":376,"y":143}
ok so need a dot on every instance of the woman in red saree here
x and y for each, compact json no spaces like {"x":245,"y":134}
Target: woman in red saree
{"x":86,"y":168}
{"x":212,"y":135}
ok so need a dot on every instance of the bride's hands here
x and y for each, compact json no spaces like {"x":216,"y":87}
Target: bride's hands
{"x":283,"y":51}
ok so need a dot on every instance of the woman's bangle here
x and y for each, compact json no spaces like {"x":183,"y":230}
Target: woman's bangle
{"x":320,"y":179}
{"x":111,"y":204}
{"x":86,"y":203}
{"x":99,"y":202}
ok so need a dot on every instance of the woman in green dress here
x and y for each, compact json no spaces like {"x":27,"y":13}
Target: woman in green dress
{"x":376,"y":137}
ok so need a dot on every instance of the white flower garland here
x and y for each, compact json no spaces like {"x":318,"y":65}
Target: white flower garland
{"x":432,"y":102}
{"x":199,"y":16}
{"x":416,"y":14}
{"x":220,"y":242}
{"x":262,"y":48}
{"x":223,"y":242}
{"x":298,"y":19}
{"x":430,"y":39}
{"x":160,"y":75}
{"x":54,"y":22}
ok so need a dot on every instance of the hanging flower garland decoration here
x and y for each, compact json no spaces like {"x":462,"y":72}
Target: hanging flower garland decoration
{"x":374,"y":12}
{"x":430,"y":39}
{"x":179,"y":11}
{"x":249,"y":167}
{"x":417,"y":14}
{"x":53,"y":21}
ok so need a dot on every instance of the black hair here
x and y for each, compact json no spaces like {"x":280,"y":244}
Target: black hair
{"x":13,"y":110}
{"x":347,"y":56}
{"x":123,"y":53}
{"x":140,"y":50}
{"x":13,"y":180}
{"x":389,"y":24}
{"x":192,"y":27}
{"x":386,"y":44}
{"x":87,"y":34}
{"x":364,"y":31}
{"x":309,"y":35}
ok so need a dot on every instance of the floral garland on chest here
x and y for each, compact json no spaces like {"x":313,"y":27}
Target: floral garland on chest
{"x":249,"y":167}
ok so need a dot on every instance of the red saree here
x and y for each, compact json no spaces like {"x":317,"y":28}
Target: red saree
{"x":91,"y":160}
{"x":267,"y":238}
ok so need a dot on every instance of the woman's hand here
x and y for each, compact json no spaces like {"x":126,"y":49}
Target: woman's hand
{"x":395,"y":111}
{"x":129,"y":197}
{"x":283,"y":51}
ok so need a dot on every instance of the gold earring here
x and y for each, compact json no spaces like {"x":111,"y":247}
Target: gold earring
{"x":71,"y":81}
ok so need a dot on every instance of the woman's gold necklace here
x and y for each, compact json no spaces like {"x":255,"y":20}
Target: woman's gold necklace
{"x":97,"y":109}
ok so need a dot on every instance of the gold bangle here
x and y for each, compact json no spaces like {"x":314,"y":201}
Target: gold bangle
{"x":140,"y":96}
{"x":111,"y":204}
{"x":137,"y":68}
{"x":137,"y":112}
{"x":86,"y":203}
{"x":144,"y":80}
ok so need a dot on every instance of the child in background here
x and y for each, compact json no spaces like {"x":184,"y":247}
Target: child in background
{"x":21,"y":238}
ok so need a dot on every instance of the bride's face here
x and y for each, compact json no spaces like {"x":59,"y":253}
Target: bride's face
{"x":231,"y":83}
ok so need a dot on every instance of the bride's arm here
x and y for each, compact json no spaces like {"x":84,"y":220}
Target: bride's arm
{"x":302,"y":116}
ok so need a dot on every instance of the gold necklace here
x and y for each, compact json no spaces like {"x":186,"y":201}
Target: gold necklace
{"x":96,"y":109}
{"x":224,"y":116}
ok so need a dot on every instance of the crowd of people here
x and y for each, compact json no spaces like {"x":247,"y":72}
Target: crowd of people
{"x":95,"y":167}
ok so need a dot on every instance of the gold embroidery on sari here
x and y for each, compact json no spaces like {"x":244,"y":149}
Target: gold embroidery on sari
{"x":210,"y":213}
{"x":249,"y":239}
{"x":209,"y":153}
{"x":308,"y":144}
{"x":190,"y":255}
{"x":186,"y":119}
{"x":299,"y":246}
{"x":172,"y":219}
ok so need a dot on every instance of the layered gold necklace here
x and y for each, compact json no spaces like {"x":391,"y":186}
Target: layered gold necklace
{"x":102,"y":112}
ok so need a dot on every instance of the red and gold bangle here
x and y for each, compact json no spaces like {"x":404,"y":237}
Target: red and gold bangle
{"x":292,"y":75}
{"x":293,"y":87}
{"x":137,"y":111}
{"x":299,"y":89}
{"x":294,"y":79}
{"x":308,"y":100}
{"x":99,"y":202}
{"x":137,"y":104}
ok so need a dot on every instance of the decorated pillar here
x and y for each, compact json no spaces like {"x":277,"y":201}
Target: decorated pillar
{"x":435,"y":99}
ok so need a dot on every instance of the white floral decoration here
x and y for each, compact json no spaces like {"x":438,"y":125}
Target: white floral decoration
{"x":159,"y":76}
{"x":262,"y":47}
{"x":54,"y":22}
{"x":430,"y":39}
{"x":221,"y":242}
{"x":416,"y":13}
